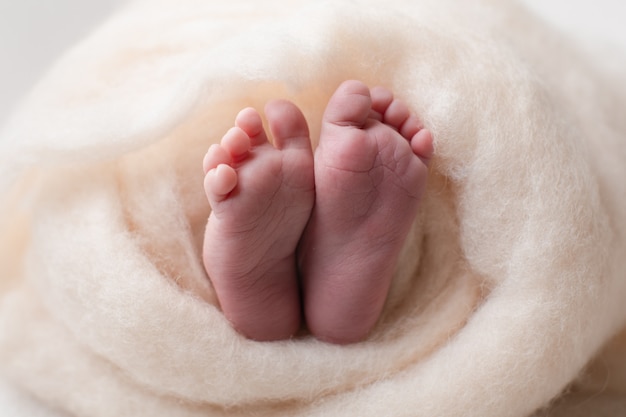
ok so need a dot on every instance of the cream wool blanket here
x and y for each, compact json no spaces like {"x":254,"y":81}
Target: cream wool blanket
{"x":512,"y":280}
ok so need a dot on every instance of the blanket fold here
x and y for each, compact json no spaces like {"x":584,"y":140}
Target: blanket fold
{"x":511,"y":280}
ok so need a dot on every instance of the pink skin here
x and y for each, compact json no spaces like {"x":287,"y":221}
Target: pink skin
{"x":370,"y":172}
{"x":261,"y":197}
{"x":356,"y":199}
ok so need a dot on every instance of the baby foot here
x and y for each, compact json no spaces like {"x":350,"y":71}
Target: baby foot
{"x":370,"y":172}
{"x":261,"y":197}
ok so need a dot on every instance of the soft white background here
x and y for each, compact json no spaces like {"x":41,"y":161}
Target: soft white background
{"x":33,"y":33}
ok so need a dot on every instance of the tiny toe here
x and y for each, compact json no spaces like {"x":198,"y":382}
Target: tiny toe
{"x":396,"y":114}
{"x":350,"y":105}
{"x":381,"y":99}
{"x":422,"y":145}
{"x":237,"y":143}
{"x":219,"y":182}
{"x":215,"y":156}
{"x":251,"y":123}
{"x":411,"y":126}
{"x":287,"y":124}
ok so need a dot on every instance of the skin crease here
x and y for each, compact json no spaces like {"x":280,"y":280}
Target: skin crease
{"x":281,"y":214}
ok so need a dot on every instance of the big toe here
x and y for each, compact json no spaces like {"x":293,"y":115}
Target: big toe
{"x":287,"y":124}
{"x":350,"y":105}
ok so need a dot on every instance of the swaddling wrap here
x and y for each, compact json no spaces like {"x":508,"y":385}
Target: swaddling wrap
{"x":511,"y":281}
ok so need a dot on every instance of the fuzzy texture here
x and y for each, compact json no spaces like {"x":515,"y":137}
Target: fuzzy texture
{"x":511,"y":281}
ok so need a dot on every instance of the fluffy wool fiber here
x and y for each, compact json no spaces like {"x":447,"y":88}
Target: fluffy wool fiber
{"x":512,"y":279}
